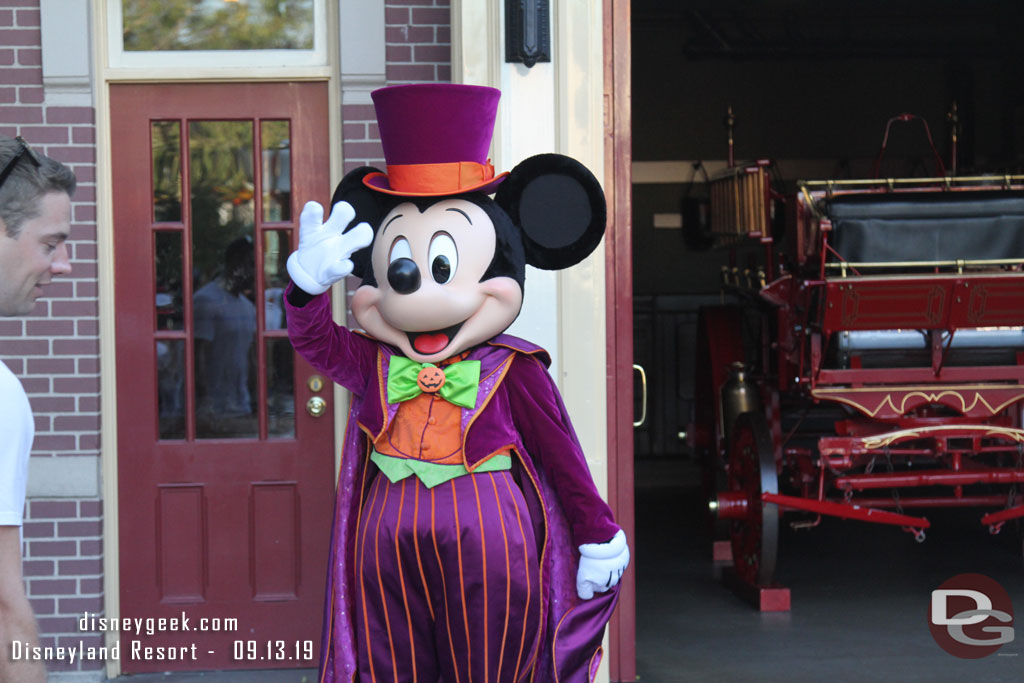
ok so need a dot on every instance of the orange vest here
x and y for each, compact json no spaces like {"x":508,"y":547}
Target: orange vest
{"x":425,"y":428}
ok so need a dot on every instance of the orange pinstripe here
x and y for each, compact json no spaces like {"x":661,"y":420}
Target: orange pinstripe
{"x":554,"y":641}
{"x":542,"y":550}
{"x":598,"y":653}
{"x":324,"y":655}
{"x":380,"y":582}
{"x":508,"y":578}
{"x":462,"y":583}
{"x":419,"y":560}
{"x":401,"y":580}
{"x":444,"y":586}
{"x":383,"y":394}
{"x":362,"y":582}
{"x":483,"y":555}
{"x":526,"y":560}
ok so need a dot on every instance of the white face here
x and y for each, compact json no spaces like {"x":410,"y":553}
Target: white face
{"x":451,"y":244}
{"x":29,"y":262}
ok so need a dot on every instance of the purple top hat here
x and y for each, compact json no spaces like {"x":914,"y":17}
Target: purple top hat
{"x":435,"y":137}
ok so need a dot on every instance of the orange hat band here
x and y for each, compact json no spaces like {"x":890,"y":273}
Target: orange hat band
{"x":447,"y":178}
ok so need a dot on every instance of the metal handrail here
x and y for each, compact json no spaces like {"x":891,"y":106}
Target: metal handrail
{"x":1003,"y":180}
{"x":959,"y":263}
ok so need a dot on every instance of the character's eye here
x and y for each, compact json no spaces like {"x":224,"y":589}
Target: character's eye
{"x":400,"y":249}
{"x":443,"y":258}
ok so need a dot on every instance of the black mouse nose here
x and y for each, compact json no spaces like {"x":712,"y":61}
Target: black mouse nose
{"x":404,"y":276}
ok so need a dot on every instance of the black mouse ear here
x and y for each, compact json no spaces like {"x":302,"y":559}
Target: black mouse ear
{"x":560,"y":207}
{"x":369,"y":209}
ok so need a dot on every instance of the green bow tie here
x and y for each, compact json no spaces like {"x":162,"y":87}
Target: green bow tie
{"x":461,"y":381}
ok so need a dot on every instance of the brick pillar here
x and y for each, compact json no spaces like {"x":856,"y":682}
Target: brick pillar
{"x":418,"y":50}
{"x":63,"y":566}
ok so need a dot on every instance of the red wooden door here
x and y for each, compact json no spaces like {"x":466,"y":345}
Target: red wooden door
{"x":225,"y":480}
{"x":619,"y":287}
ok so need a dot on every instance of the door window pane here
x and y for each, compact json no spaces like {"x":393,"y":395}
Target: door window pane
{"x":170,"y":364}
{"x":150,"y":25}
{"x":277,"y":182}
{"x":166,"y":142}
{"x":224,"y":329}
{"x":167,"y":249}
{"x":280,"y":388}
{"x":223,"y":258}
{"x":221,"y":191}
{"x":276,"y":248}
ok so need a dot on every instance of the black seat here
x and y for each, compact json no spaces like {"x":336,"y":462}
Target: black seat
{"x":928,"y":226}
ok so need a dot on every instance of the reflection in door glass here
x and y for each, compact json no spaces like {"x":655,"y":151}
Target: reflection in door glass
{"x":280,"y":388}
{"x":169,"y":313}
{"x":223,"y":268}
{"x":166,"y":142}
{"x":276,"y":248}
{"x":217,"y":25}
{"x":170,"y":364}
{"x":277,"y":182}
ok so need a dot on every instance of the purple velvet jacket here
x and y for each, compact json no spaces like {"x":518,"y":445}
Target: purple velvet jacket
{"x":519,"y":408}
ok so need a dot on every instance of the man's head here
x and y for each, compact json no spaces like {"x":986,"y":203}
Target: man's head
{"x":35,"y":218}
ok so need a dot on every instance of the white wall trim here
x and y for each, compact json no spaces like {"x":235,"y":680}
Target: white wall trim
{"x":578,"y":36}
{"x":209,"y":74}
{"x":64,"y":476}
{"x":555,"y":106}
{"x":107,"y":335}
{"x":66,"y":52}
{"x":361,"y":49}
{"x":144,"y":61}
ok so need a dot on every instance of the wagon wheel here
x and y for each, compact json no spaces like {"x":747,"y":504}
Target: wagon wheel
{"x":718,"y":346}
{"x":755,"y":538}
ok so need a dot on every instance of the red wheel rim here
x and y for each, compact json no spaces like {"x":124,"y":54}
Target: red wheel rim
{"x":752,"y":472}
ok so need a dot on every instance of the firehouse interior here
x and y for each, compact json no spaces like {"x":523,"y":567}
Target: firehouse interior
{"x":828,"y":280}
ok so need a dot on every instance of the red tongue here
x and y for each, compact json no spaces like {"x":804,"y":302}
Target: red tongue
{"x":430,"y":343}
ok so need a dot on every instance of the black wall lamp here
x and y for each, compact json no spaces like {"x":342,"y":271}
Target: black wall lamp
{"x":527,"y":31}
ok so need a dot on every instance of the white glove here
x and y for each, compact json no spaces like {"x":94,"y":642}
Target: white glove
{"x":323,"y":255}
{"x":601,"y":565}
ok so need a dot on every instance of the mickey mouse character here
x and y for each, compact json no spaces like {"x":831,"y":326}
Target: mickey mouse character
{"x":469,"y":539}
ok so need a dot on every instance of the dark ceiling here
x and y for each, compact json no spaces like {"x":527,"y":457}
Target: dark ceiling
{"x":780,"y":29}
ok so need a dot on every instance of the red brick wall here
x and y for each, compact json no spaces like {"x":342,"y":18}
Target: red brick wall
{"x":63,"y":570}
{"x":417,"y":34}
{"x":55,"y":350}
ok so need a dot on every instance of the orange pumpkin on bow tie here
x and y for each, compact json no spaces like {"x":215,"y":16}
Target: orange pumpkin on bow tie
{"x":430,"y":379}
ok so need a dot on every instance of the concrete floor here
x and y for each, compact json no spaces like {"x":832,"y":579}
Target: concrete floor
{"x":860,"y":595}
{"x":860,"y":600}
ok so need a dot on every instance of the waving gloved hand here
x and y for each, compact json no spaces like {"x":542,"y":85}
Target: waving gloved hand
{"x":323,"y":255}
{"x":601,"y":565}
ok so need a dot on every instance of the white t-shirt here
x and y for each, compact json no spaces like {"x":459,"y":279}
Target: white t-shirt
{"x":17,"y":430}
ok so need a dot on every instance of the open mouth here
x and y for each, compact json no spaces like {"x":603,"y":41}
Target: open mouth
{"x":429,"y":343}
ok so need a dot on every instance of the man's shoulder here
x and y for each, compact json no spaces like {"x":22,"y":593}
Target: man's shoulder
{"x":9,"y":382}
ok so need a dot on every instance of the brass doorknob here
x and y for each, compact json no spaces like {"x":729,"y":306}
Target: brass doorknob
{"x":316,"y":406}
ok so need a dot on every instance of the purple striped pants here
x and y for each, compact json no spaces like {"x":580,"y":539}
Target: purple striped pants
{"x":448,"y":582}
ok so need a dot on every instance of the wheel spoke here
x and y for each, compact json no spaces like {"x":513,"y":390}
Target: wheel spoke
{"x":752,"y":472}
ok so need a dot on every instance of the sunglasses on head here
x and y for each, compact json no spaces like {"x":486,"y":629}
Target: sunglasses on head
{"x":23,"y":151}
